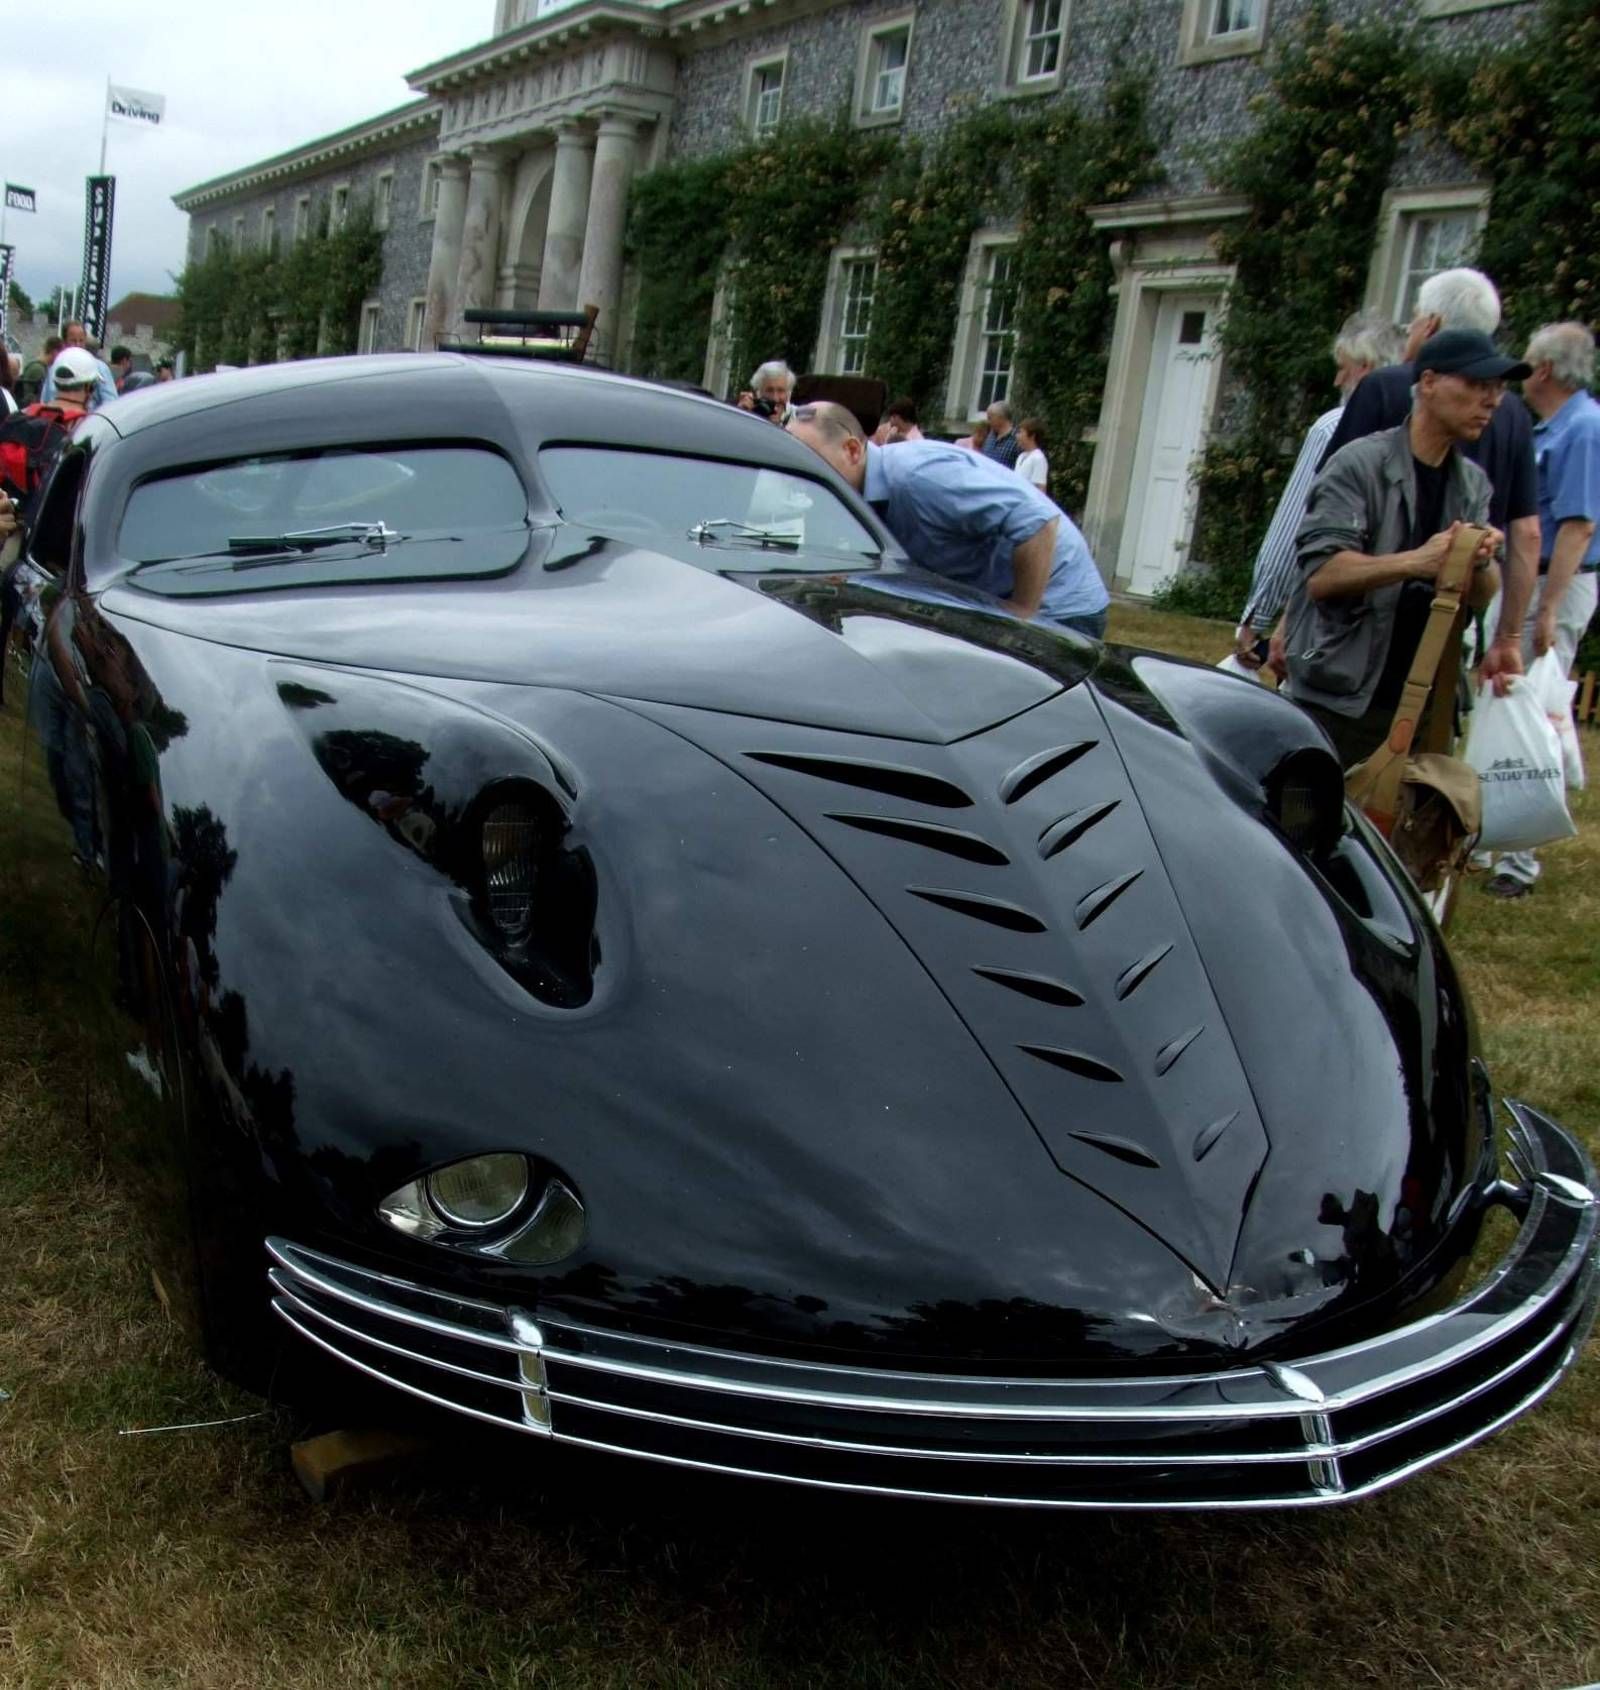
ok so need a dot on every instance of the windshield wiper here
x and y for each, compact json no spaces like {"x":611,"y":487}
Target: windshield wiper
{"x":743,"y":534}
{"x":375,"y":536}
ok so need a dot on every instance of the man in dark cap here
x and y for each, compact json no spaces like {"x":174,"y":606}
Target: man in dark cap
{"x":1379,"y":524}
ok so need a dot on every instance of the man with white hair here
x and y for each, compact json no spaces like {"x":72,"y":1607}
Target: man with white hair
{"x":1467,"y":299}
{"x":1366,"y":341}
{"x":769,"y":391}
{"x":1567,"y":445}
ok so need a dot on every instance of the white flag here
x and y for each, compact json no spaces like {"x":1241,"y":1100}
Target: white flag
{"x":135,"y":106}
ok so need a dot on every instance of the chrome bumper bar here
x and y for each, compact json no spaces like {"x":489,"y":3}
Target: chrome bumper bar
{"x":1328,"y":1427}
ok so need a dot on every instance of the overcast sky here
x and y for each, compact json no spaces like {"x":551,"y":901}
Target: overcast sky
{"x":240,"y":86}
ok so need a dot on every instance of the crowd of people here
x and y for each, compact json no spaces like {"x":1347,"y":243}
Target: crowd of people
{"x":1427,"y":439}
{"x":975,"y":510}
{"x":34,"y":381}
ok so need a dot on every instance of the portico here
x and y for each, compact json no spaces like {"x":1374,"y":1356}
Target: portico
{"x":541,"y":133}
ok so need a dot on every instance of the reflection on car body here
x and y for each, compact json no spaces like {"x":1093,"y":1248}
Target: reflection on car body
{"x":717,"y":994}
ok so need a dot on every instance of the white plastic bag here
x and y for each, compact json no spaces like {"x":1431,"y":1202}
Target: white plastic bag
{"x":1518,"y":758}
{"x":1556,"y":691}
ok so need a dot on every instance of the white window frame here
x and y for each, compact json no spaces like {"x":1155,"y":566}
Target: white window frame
{"x":1401,"y":210}
{"x":967,"y":359}
{"x":302,"y":218}
{"x":868,"y":71}
{"x":338,"y":207}
{"x":1449,"y":8}
{"x":416,"y":321}
{"x":829,"y":355}
{"x":752,"y":92}
{"x":269,"y":229}
{"x":1199,"y":45}
{"x":383,"y":199}
{"x":371,"y":322}
{"x":428,"y":204}
{"x":1020,"y":15}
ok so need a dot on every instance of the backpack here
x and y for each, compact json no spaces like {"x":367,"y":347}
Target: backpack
{"x":30,"y":442}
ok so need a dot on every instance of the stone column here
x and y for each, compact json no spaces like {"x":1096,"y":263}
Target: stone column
{"x":480,"y":234}
{"x":569,"y":217}
{"x":600,"y":279}
{"x":449,"y":215}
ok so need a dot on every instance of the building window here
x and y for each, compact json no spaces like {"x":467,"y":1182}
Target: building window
{"x":382,"y":200}
{"x":430,"y":190}
{"x":997,"y":340}
{"x":269,"y":230}
{"x":238,"y":233}
{"x":1422,"y":231}
{"x":764,"y":104}
{"x":339,"y":208}
{"x":213,"y":239}
{"x":1221,"y":29}
{"x":1432,"y":244}
{"x":857,"y":282}
{"x":1038,"y":32}
{"x":416,"y":316}
{"x":302,"y":217}
{"x":885,"y":59}
{"x":371,"y":316}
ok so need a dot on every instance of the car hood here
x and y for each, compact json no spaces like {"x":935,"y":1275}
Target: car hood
{"x":895,"y":653}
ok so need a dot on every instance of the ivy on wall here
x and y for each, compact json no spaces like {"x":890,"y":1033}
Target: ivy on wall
{"x":1314,"y":169}
{"x":1527,"y":118}
{"x":773,"y":211}
{"x":237,"y":305}
{"x":677,"y":233}
{"x":765,"y":217}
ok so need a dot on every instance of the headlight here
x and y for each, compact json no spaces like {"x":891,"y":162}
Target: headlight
{"x":482,"y":1191}
{"x":1305,"y":795}
{"x":509,"y":838}
{"x":498,"y":1206}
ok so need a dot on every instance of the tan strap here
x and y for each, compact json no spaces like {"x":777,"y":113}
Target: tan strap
{"x":1375,"y":784}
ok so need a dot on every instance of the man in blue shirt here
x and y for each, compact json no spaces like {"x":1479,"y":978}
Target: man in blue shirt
{"x":964,"y":517}
{"x":1566,"y":445}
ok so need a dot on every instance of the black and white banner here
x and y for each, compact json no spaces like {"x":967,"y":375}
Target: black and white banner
{"x":93,"y":298}
{"x":19,"y":199}
{"x":133,"y":105}
{"x":7,"y":254}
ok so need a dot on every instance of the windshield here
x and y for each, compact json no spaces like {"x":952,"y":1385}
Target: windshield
{"x":337,"y":514}
{"x":720,"y":515}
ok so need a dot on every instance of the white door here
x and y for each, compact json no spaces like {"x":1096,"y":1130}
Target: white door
{"x":1172,"y":427}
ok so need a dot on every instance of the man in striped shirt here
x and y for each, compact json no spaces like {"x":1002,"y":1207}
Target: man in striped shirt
{"x":1367,"y":341}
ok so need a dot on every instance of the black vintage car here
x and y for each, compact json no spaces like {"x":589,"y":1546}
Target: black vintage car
{"x":591,"y":937}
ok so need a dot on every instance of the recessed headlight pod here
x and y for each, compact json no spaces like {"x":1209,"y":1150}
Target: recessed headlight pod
{"x":502,"y":1206}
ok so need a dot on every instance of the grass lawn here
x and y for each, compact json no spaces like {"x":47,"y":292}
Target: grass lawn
{"x":191,"y":1559}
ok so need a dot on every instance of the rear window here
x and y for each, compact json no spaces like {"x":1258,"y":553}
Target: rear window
{"x":336,"y":515}
{"x":721,"y":515}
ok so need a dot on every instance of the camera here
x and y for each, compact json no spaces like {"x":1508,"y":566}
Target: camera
{"x":764,"y":407}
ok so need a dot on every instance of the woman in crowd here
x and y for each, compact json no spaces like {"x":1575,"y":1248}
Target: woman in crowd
{"x":1032,"y":465}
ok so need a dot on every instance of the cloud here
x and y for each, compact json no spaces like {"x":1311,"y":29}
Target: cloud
{"x":240,"y":86}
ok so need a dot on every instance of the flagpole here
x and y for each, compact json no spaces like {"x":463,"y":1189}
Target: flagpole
{"x":105,"y":124}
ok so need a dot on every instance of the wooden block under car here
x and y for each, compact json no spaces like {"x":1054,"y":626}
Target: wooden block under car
{"x":326,"y":1464}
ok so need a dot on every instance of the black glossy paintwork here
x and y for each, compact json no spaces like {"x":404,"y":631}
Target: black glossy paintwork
{"x":909,"y":981}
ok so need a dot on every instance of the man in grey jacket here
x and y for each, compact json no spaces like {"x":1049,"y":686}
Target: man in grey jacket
{"x":1379,"y":524}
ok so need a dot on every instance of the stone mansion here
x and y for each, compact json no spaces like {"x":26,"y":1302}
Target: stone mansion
{"x":505,"y":182}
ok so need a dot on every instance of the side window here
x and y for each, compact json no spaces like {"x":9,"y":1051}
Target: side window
{"x":50,"y":544}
